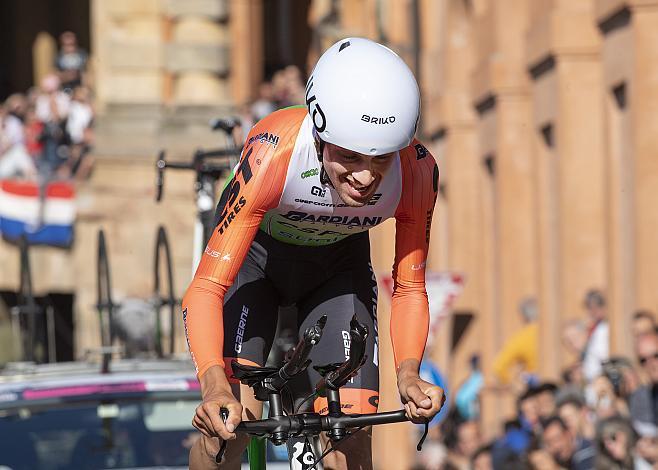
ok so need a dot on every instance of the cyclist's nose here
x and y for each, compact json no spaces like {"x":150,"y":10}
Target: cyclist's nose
{"x":363,"y":177}
{"x":364,"y":173}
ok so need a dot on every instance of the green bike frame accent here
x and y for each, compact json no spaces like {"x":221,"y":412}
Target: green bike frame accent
{"x":256,"y":450}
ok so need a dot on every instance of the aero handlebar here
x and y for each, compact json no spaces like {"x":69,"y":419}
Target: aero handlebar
{"x":281,"y":427}
{"x":299,"y":360}
{"x":339,"y":377}
{"x":314,"y":423}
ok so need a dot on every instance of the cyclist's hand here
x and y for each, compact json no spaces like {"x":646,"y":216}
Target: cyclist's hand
{"x":208,"y":419}
{"x":422,"y":400}
{"x":216,"y":395}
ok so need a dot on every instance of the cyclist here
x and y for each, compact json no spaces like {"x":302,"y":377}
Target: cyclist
{"x":292,"y":228}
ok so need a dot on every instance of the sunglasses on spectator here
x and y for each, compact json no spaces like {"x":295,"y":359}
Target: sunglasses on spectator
{"x":643,"y":359}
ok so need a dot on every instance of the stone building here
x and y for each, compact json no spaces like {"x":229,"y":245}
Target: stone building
{"x":541,"y":113}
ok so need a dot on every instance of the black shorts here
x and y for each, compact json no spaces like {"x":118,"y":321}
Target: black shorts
{"x":336,"y":280}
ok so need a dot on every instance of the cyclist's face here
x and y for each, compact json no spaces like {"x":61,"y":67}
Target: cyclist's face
{"x":355,"y":176}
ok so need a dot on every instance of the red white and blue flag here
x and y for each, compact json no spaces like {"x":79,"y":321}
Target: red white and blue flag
{"x":44,"y":215}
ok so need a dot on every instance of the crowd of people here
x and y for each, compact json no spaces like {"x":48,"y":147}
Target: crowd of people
{"x":602,"y":414}
{"x":46,"y":133}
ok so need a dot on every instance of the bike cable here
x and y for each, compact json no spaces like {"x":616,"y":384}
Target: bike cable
{"x":299,"y":407}
{"x":290,"y":399}
{"x":333,"y":448}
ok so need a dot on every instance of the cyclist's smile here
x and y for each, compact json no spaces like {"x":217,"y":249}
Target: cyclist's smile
{"x":356,"y":177}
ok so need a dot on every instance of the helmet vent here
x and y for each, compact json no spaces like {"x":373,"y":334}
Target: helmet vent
{"x":344,"y":45}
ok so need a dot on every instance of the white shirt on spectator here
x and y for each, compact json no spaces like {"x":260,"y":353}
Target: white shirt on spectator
{"x":80,"y":116}
{"x":44,"y":112}
{"x":12,"y":127}
{"x":596,"y":351}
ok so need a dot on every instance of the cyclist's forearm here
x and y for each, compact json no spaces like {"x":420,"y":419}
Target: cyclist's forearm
{"x":204,"y":329}
{"x":409,"y":324}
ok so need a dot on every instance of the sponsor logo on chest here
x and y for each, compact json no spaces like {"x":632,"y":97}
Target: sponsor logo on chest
{"x":346,"y":220}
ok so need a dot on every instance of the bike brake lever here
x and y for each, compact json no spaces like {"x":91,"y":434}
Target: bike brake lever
{"x":222,"y":449}
{"x":220,"y":454}
{"x":422,"y":439}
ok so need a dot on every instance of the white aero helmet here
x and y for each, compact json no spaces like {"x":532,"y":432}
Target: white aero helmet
{"x":362,"y":96}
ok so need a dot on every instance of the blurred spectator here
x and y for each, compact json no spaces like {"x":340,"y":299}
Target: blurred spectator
{"x":280,"y":91}
{"x":80,"y":134}
{"x":481,"y":458}
{"x":468,"y":442}
{"x":288,"y":87}
{"x":32,"y":94}
{"x":569,"y":451}
{"x":540,"y":459}
{"x":15,"y":110}
{"x":615,"y":441}
{"x":80,"y":116}
{"x":33,"y":134}
{"x":647,"y":443}
{"x":264,"y":105}
{"x":52,"y":109}
{"x":520,"y":351}
{"x":432,"y":457}
{"x":598,"y":340}
{"x":15,"y":160}
{"x":643,"y":322}
{"x":573,"y":412}
{"x":70,"y":62}
{"x":545,"y":394}
{"x":574,"y":337}
{"x":508,"y":451}
{"x":622,"y":375}
{"x":467,"y":399}
{"x":643,"y":402}
{"x":573,"y":377}
{"x":603,"y":400}
{"x":295,"y":84}
{"x":528,"y":408}
{"x":52,"y":104}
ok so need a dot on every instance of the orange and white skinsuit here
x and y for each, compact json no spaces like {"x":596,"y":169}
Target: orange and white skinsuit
{"x":276,"y":188}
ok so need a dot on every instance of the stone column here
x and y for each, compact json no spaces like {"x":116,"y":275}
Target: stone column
{"x":631,"y":100}
{"x":644,"y":107}
{"x":196,"y":53}
{"x":563,"y":61}
{"x":165,"y":67}
{"x":451,"y":119}
{"x":617,"y":74}
{"x":359,"y":18}
{"x":128,"y":47}
{"x":128,"y":43}
{"x":246,"y":32}
{"x":501,"y":97}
